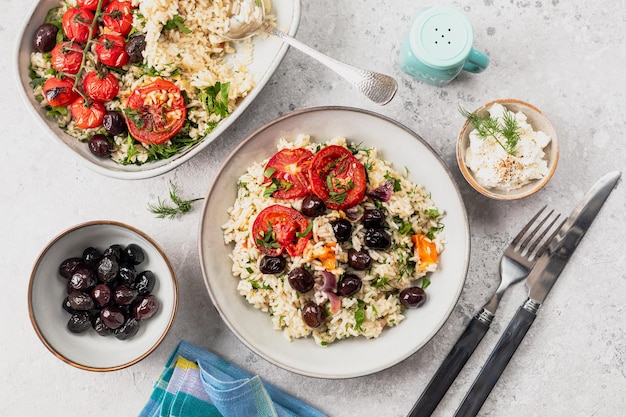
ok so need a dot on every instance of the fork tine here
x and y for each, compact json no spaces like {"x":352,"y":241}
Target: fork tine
{"x":536,"y":229}
{"x":549,"y":239}
{"x":522,"y":232}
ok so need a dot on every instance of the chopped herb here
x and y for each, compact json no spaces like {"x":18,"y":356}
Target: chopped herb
{"x":434,"y":230}
{"x":268,"y":172}
{"x":258,"y":285}
{"x":134,"y":117}
{"x":425,"y":282}
{"x":268,"y":238}
{"x":380,"y":282}
{"x":359,"y":315}
{"x":432,"y":213}
{"x":306,"y":231}
{"x":215,"y":99}
{"x":177,"y":22}
{"x":397,"y":186}
{"x":250,"y":270}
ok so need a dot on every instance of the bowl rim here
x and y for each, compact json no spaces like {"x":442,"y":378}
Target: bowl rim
{"x":35,"y":268}
{"x":469,"y":177}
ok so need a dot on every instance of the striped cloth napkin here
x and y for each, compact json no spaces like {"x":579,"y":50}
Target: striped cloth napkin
{"x":198,"y":383}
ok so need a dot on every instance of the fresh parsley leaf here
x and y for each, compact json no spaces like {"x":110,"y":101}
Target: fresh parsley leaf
{"x":177,"y":22}
{"x":306,"y":231}
{"x":215,"y":98}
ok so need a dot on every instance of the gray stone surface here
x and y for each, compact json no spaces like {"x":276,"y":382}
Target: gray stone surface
{"x":565,"y":57}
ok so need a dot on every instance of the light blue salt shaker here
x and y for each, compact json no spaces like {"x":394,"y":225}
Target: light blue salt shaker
{"x":439,"y":45}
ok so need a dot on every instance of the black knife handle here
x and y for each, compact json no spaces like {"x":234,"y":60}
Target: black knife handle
{"x":449,"y":369}
{"x":497,"y":362}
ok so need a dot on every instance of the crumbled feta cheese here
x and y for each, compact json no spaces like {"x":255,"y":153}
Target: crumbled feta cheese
{"x":494,"y":168}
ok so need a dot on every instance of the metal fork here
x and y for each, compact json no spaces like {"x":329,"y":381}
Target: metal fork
{"x":516,"y":262}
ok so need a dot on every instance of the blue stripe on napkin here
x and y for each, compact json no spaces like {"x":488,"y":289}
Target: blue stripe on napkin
{"x":197,"y":383}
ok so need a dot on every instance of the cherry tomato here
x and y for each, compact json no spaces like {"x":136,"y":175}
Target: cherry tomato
{"x":66,"y":58}
{"x":87,"y":114}
{"x":278,"y":229}
{"x":287,"y":170}
{"x":59,"y":92}
{"x":76,"y":23}
{"x":337,"y":177}
{"x":90,"y":4}
{"x":101,"y":87}
{"x":155,"y":112}
{"x":110,"y":50}
{"x":118,"y":17}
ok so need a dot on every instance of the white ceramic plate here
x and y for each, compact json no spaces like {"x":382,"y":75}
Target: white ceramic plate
{"x":269,"y":52}
{"x":47,"y":290}
{"x":353,"y":357}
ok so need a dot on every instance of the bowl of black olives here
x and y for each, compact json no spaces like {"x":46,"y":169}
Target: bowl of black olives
{"x":102,"y":295}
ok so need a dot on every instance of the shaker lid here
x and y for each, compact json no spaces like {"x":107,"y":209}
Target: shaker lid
{"x":441,"y":37}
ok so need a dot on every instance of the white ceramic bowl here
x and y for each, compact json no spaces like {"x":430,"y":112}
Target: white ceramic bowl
{"x":539,"y":122}
{"x":47,"y":291}
{"x":351,"y":357}
{"x":268,"y":53}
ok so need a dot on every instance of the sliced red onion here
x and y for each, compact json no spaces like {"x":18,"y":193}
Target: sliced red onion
{"x":330,"y":282}
{"x":382,"y":193}
{"x":354,"y":213}
{"x":335,"y":302}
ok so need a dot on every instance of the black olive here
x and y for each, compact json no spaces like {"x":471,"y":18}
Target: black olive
{"x":342,"y":229}
{"x":144,"y":284}
{"x":69,"y":266}
{"x":45,"y":38}
{"x":127,"y":274}
{"x":107,"y":269}
{"x":82,"y":279}
{"x":412,"y":297}
{"x":124,"y":295}
{"x":349,"y":285}
{"x":133,"y":254}
{"x":359,"y":260}
{"x":313,"y":206}
{"x":79,"y":322}
{"x":272,"y":264}
{"x":134,"y":48}
{"x":100,"y":328}
{"x":377,"y":239}
{"x":114,"y":251}
{"x":67,"y":306}
{"x":313,"y":315}
{"x":113,"y":317}
{"x":373,"y":219}
{"x":128,"y":329}
{"x":99,"y":145}
{"x":80,"y":301}
{"x":114,"y":123}
{"x":91,"y":256}
{"x":300,"y":280}
{"x":101,"y":295}
{"x":145,"y":308}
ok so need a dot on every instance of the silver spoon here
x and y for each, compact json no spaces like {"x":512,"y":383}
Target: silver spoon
{"x":248,"y":18}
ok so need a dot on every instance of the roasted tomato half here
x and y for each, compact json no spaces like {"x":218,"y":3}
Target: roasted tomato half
{"x":87,"y":114}
{"x":118,"y":17}
{"x":278,"y":229}
{"x":155,"y":112}
{"x":101,"y":87}
{"x":66,"y":58}
{"x":287,"y":171}
{"x":337,"y":177}
{"x":110,"y":50}
{"x":59,"y":92}
{"x":76,"y":24}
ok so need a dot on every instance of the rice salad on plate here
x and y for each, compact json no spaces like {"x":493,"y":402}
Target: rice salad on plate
{"x":147,"y":78}
{"x":331,"y":241}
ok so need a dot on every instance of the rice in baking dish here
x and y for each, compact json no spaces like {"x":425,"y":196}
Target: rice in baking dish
{"x":376,"y":305}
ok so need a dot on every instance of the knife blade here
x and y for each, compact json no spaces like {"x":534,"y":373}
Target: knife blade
{"x":539,"y":282}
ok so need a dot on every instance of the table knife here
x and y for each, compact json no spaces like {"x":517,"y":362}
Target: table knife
{"x":539,"y":283}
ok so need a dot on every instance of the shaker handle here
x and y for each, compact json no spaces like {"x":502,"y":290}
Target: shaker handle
{"x":476,"y":62}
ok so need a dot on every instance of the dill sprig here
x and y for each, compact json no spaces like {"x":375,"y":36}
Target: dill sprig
{"x":164,"y":210}
{"x":507,"y":133}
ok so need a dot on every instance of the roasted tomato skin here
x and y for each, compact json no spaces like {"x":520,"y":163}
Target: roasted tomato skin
{"x":278,"y":229}
{"x":155,"y":112}
{"x":87,"y":114}
{"x":287,"y":170}
{"x":91,"y":5}
{"x":59,"y":92}
{"x":101,"y":87}
{"x":118,"y":17}
{"x":76,"y":24}
{"x":337,"y":177}
{"x":66,"y":58}
{"x":110,"y":50}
